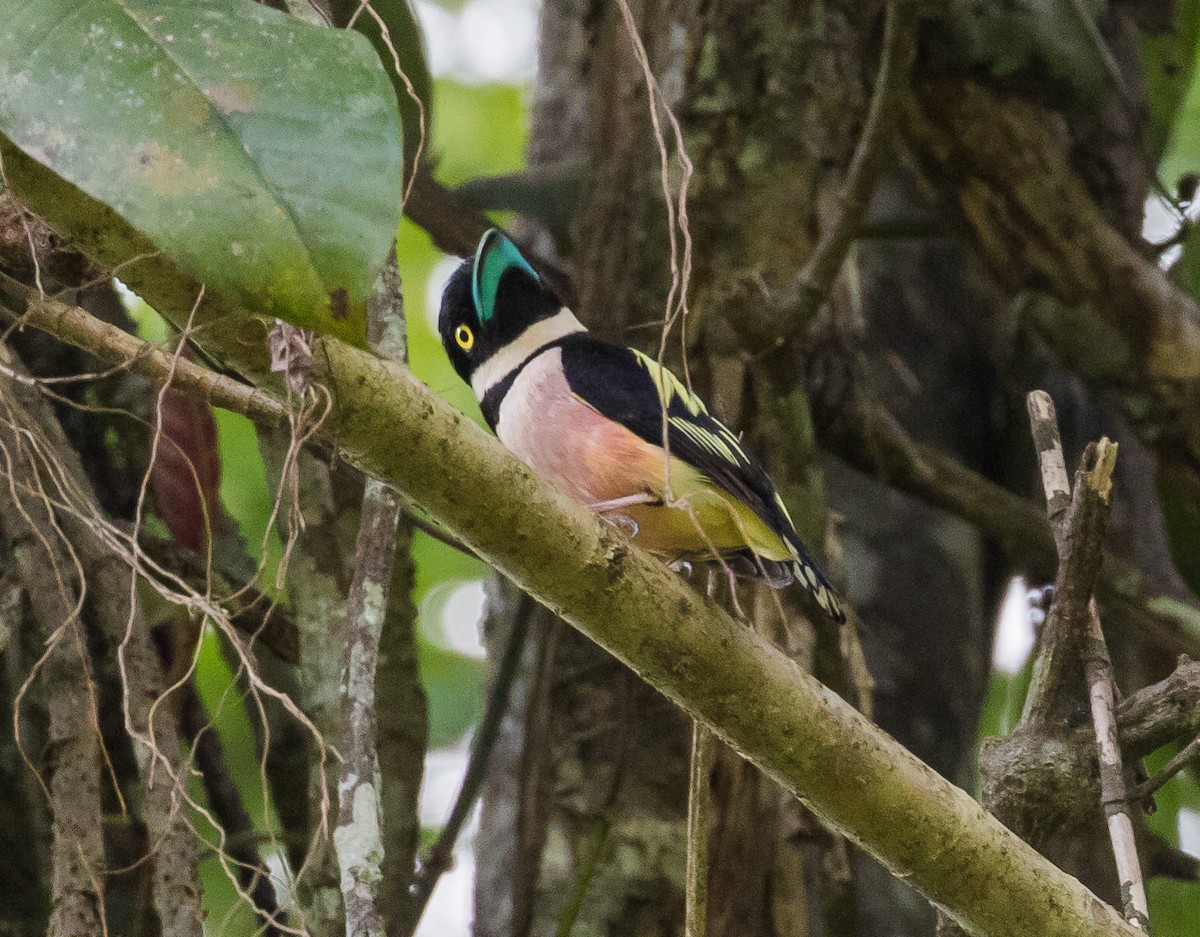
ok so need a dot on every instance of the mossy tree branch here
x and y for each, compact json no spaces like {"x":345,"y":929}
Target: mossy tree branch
{"x":754,"y":697}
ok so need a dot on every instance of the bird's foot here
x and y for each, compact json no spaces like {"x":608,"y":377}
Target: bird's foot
{"x":623,"y":522}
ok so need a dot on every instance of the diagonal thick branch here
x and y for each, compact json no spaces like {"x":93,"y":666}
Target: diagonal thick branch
{"x":754,"y":697}
{"x":862,"y":433}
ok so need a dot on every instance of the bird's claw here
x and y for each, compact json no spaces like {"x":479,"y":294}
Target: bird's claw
{"x":623,"y":522}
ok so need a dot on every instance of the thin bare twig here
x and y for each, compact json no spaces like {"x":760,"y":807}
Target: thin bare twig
{"x":107,"y":556}
{"x":1074,"y":526}
{"x":1056,"y":483}
{"x":79,"y":328}
{"x":225,"y":800}
{"x":1114,"y":794}
{"x":50,"y":463}
{"x":1178,"y":762}
{"x":251,"y":611}
{"x":677,"y":220}
{"x":111,"y":344}
{"x":695,"y":912}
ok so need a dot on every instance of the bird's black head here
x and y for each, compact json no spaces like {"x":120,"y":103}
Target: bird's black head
{"x":489,"y":302}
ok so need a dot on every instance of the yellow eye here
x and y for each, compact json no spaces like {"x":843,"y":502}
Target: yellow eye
{"x":465,"y":337}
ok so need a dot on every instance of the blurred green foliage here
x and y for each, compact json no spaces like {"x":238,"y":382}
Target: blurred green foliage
{"x":1174,"y":906}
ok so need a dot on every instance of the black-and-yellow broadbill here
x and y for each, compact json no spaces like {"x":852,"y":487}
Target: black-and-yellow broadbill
{"x":588,"y":416}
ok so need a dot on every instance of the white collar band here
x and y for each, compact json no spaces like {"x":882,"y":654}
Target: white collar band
{"x":509,"y":358}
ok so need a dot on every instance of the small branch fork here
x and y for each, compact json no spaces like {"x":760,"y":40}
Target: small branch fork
{"x":1079,"y":521}
{"x":1181,"y":759}
{"x":1073,"y":631}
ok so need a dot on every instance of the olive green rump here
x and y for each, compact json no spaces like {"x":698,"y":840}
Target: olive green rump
{"x":700,"y":520}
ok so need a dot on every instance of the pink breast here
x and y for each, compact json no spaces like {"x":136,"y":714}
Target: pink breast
{"x":568,"y":443}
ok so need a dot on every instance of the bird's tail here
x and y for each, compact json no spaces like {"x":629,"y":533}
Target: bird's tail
{"x":809,"y":575}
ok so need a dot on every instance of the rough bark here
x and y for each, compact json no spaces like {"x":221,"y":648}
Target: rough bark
{"x":358,"y":838}
{"x":365,"y":832}
{"x":924,"y":582}
{"x":318,"y":581}
{"x":72,"y":769}
{"x":1130,"y":332}
{"x":402,"y":723}
{"x":116,"y":614}
{"x":25,"y":842}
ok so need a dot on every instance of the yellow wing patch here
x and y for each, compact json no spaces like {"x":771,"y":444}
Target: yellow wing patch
{"x":783,"y":508}
{"x":669,"y":386}
{"x":716,"y":443}
{"x":719,"y":441}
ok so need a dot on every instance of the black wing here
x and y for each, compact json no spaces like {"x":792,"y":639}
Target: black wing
{"x":630,"y":388}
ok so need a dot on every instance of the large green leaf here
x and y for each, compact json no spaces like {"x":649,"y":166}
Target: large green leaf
{"x":262,"y":154}
{"x":403,"y":45}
